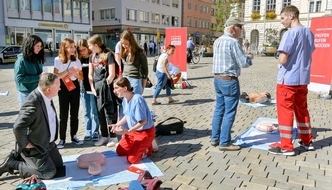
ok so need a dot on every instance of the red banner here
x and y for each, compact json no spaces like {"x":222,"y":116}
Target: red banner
{"x":321,"y":66}
{"x":178,"y":38}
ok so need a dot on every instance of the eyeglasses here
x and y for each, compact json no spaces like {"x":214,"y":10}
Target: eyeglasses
{"x":81,"y":50}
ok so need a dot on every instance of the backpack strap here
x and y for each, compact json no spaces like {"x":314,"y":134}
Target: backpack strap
{"x":170,"y":119}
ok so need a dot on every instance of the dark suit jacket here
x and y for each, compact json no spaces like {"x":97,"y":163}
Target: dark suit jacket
{"x":32,"y":126}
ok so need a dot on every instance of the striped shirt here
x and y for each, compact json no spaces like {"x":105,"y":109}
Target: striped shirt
{"x":228,"y":56}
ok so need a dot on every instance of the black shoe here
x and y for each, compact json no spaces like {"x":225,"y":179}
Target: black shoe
{"x":4,"y":167}
{"x":87,"y":138}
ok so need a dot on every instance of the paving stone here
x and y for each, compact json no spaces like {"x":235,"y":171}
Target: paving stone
{"x":231,"y":182}
{"x":183,"y":179}
{"x":301,"y":181}
{"x":250,"y":185}
{"x":287,"y":185}
{"x":201,"y":183}
{"x":263,"y":180}
{"x":277,"y":176}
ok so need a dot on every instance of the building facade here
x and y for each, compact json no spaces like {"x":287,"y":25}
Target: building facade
{"x":147,"y":19}
{"x":52,"y":20}
{"x":263,"y":17}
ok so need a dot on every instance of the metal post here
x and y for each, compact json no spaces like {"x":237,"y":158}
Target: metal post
{"x":264,"y":23}
{"x":308,"y":18}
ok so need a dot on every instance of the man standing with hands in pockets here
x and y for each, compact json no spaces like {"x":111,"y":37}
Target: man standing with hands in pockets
{"x":296,"y":47}
{"x":228,"y":58}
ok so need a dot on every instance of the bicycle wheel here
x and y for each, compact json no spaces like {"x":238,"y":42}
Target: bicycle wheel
{"x":195,"y":59}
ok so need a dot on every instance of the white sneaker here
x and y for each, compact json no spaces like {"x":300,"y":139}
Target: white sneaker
{"x":61,"y":144}
{"x":112,"y":142}
{"x":155,"y":145}
{"x":76,"y":140}
{"x":101,"y":141}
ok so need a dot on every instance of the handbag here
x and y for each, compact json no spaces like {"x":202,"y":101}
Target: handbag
{"x":68,"y":82}
{"x":145,"y":181}
{"x":170,"y":126}
{"x":32,"y":182}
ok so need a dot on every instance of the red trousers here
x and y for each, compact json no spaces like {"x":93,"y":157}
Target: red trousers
{"x":136,"y":144}
{"x":293,"y":100}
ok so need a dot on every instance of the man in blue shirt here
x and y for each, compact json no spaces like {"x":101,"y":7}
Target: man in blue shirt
{"x":295,"y":50}
{"x":228,"y":58}
{"x":190,"y":48}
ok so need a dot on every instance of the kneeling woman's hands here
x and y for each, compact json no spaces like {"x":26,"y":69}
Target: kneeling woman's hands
{"x":117,"y":129}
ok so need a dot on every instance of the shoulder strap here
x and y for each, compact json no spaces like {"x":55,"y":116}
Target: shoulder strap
{"x":170,"y":119}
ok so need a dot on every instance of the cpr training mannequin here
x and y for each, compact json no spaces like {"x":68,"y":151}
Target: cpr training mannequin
{"x":260,"y":98}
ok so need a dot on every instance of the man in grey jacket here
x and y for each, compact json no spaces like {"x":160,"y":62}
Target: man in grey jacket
{"x":35,"y":131}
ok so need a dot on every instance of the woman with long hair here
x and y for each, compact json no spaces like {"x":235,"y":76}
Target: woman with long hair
{"x":69,"y":69}
{"x":139,"y":132}
{"x":134,"y":62}
{"x":89,"y":104}
{"x":28,"y":66}
{"x":102,"y":72}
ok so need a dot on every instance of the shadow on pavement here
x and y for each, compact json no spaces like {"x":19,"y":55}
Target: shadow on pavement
{"x":6,"y":125}
{"x":9,"y":113}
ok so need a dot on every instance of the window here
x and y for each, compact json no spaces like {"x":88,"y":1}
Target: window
{"x":155,"y":1}
{"x":93,"y":15}
{"x":195,"y":23}
{"x":47,"y":6}
{"x":76,"y":8}
{"x":286,"y":3}
{"x":67,"y":7}
{"x":212,"y":11}
{"x":57,"y":6}
{"x":318,"y":6}
{"x":131,"y":14}
{"x":196,"y":7}
{"x":175,"y":21}
{"x":165,"y":20}
{"x":107,"y":14}
{"x":189,"y":21}
{"x":155,"y":18}
{"x":25,"y":5}
{"x":311,"y":7}
{"x":85,"y":9}
{"x":200,"y":8}
{"x":256,"y":6}
{"x":175,"y":3}
{"x":145,"y":1}
{"x":36,"y":5}
{"x":12,"y":4}
{"x":166,"y":2}
{"x":143,"y":16}
{"x":189,"y":5}
{"x":271,"y":5}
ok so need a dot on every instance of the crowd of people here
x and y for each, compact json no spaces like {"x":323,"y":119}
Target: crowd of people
{"x":110,"y":86}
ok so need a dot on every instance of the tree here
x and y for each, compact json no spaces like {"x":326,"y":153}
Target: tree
{"x":225,"y":8}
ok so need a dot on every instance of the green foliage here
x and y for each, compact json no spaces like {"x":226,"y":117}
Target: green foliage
{"x":271,"y":36}
{"x":223,"y":11}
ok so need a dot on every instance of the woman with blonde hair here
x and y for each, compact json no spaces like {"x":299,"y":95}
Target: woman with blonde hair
{"x":88,"y":100}
{"x":134,"y":61}
{"x":103,"y":69}
{"x":69,"y":69}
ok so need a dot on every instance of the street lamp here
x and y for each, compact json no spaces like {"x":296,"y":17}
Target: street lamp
{"x":264,"y":16}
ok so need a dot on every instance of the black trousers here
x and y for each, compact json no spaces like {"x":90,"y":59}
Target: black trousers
{"x":69,"y":101}
{"x":44,"y":166}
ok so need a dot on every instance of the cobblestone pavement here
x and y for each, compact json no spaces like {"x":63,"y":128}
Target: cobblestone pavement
{"x":188,"y":161}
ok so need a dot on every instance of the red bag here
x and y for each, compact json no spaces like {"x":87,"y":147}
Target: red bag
{"x":68,"y":83}
{"x":149,"y":182}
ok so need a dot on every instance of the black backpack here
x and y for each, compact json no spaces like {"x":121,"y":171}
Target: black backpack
{"x":170,"y":126}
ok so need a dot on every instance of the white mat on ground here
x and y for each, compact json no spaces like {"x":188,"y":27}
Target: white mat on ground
{"x":114,"y":172}
{"x":254,"y":138}
{"x":257,"y":105}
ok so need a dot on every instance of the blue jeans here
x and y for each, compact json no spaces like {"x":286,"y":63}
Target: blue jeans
{"x":136,"y":84}
{"x":21,"y":97}
{"x":162,"y":78}
{"x":227,"y":99}
{"x":90,"y":115}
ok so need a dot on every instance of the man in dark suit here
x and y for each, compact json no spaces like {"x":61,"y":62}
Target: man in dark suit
{"x":35,"y":131}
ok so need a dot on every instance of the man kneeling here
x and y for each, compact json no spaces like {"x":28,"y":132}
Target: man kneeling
{"x":35,"y":131}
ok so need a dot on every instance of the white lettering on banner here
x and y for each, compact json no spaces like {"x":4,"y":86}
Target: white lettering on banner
{"x":176,"y":40}
{"x":321,"y":40}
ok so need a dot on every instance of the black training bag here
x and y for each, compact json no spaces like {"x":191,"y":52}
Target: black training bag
{"x":154,"y":68}
{"x":170,"y":126}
